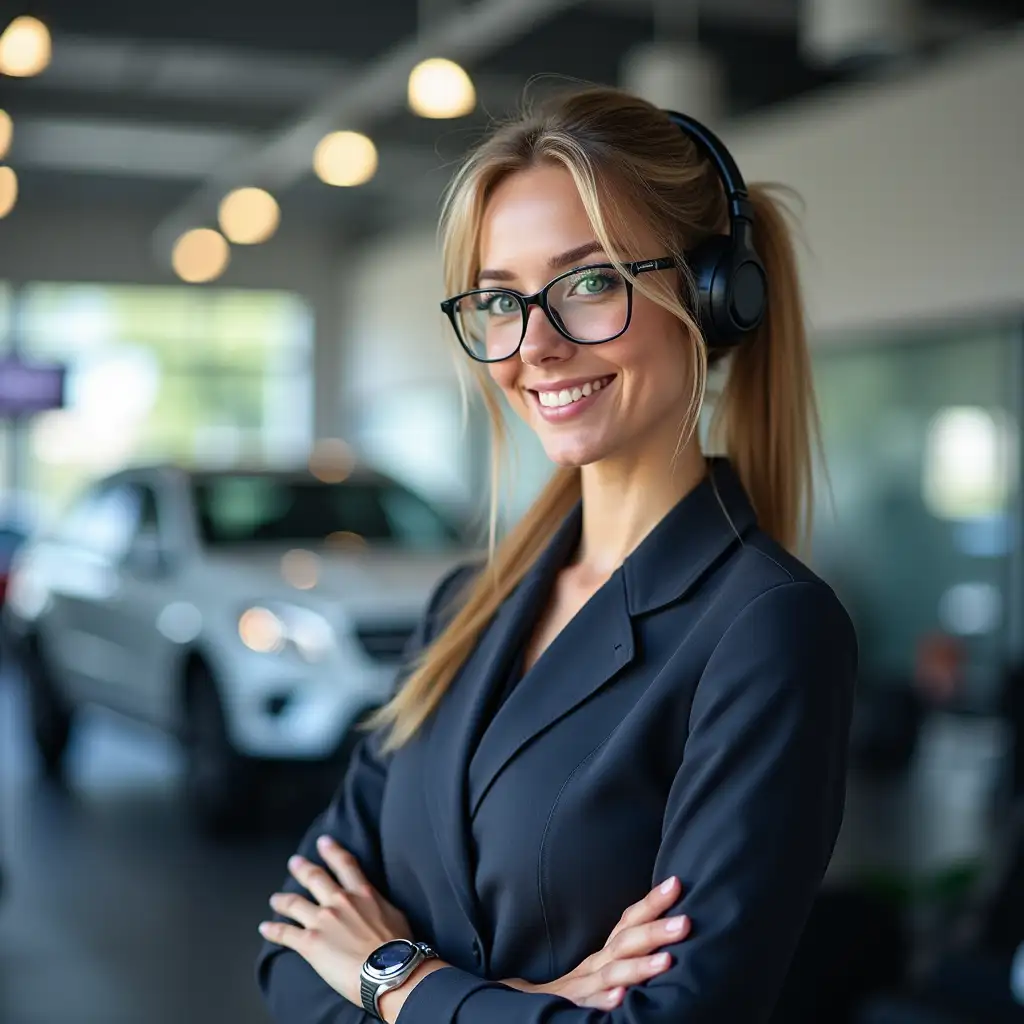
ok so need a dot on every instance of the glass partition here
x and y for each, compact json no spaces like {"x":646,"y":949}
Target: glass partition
{"x":917,"y":522}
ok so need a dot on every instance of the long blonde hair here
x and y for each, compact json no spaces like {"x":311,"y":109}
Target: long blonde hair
{"x":630,"y":164}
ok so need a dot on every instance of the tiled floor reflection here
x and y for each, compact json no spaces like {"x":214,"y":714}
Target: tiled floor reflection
{"x":113,"y":912}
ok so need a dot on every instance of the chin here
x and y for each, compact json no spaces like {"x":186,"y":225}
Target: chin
{"x":573,"y":456}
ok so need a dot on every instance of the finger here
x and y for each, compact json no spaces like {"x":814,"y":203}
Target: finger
{"x":647,"y":938}
{"x":624,"y":973}
{"x":285,"y":935}
{"x":345,"y":867}
{"x":652,"y":906}
{"x":295,"y":907}
{"x":319,"y":882}
{"x":606,"y":999}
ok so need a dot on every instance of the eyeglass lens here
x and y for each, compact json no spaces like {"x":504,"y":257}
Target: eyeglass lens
{"x":590,"y":305}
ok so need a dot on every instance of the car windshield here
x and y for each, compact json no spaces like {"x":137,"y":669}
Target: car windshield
{"x":262,"y":508}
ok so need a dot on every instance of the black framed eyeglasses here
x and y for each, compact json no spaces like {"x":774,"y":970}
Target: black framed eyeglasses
{"x":588,"y":305}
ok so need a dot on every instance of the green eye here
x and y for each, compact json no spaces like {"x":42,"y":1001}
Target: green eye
{"x":595,"y":282}
{"x":497,"y":305}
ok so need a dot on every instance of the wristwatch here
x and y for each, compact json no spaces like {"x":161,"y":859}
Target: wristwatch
{"x":387,"y":967}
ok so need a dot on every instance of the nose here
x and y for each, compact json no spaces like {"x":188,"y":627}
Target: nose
{"x":542,"y":342}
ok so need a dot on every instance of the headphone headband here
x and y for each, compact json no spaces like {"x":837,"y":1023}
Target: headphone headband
{"x":730,"y":277}
{"x":716,"y":152}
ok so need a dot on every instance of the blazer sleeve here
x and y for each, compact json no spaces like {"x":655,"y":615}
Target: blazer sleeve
{"x":751,"y":820}
{"x":293,"y":991}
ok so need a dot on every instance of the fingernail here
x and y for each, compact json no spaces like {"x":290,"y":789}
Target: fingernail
{"x":675,"y":925}
{"x":668,"y":885}
{"x":326,"y":842}
{"x":661,"y":960}
{"x":614,"y":996}
{"x":295,"y":862}
{"x":264,"y":928}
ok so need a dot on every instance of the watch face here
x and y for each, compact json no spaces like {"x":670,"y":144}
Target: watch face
{"x":391,"y":956}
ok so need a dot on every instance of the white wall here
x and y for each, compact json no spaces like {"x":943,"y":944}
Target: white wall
{"x":399,"y":382}
{"x":913,"y":189}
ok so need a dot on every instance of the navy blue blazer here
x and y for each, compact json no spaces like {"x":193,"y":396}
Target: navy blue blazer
{"x":690,"y":720}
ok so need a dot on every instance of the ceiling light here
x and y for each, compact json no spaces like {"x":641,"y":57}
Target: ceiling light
{"x":6,"y":133}
{"x":8,"y":190}
{"x":249,"y":215}
{"x":440,"y":88}
{"x":345,"y":158}
{"x":200,"y":255}
{"x":25,"y":47}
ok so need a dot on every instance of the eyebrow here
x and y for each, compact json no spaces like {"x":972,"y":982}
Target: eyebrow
{"x":564,"y":259}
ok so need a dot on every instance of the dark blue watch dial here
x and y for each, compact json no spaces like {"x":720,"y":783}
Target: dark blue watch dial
{"x":391,"y":955}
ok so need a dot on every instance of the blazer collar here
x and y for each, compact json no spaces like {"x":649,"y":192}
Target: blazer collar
{"x":689,"y":540}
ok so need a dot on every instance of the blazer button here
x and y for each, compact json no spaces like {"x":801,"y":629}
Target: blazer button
{"x":478,"y":953}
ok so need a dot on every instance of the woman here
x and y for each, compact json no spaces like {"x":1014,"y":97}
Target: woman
{"x":643,"y":687}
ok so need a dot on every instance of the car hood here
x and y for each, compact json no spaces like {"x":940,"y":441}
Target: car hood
{"x":376,"y":583}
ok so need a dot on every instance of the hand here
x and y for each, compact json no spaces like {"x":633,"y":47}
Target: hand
{"x":348,"y":921}
{"x":601,"y":980}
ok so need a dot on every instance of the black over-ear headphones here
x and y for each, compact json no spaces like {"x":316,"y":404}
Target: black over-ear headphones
{"x":732,"y":286}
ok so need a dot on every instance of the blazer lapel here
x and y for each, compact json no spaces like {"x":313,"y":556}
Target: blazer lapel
{"x":598,"y":642}
{"x":595,"y":645}
{"x":454,"y":729}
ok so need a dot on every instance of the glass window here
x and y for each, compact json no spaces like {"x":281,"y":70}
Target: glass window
{"x":264,"y":508}
{"x":200,"y":377}
{"x":916,"y":520}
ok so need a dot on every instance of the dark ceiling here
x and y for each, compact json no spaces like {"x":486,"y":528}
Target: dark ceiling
{"x":221,"y":75}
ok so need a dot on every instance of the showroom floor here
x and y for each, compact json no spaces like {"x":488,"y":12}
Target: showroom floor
{"x":113,"y":912}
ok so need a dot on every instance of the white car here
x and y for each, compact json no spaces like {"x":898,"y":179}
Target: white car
{"x":257,"y":615}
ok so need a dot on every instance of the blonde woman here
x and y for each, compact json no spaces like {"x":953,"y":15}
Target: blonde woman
{"x":610,"y":784}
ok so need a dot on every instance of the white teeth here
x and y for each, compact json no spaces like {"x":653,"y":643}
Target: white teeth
{"x":556,"y":399}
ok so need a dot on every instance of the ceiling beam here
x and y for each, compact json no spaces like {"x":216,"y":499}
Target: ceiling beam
{"x":187,"y":71}
{"x":468,"y":35}
{"x":768,"y":14}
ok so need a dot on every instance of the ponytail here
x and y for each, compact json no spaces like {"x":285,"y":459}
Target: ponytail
{"x":767,"y":415}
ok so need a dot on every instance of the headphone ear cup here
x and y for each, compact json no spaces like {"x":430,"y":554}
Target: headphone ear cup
{"x":710,"y":263}
{"x":731,"y":290}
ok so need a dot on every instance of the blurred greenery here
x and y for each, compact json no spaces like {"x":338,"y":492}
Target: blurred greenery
{"x":190,"y":374}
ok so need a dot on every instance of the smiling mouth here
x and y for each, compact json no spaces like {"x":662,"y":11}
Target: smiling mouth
{"x":570,"y":402}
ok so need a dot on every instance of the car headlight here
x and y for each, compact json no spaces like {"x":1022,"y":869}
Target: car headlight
{"x":276,"y":627}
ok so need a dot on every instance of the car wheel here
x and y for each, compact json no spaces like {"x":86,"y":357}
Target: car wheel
{"x":219,"y":783}
{"x":50,"y":715}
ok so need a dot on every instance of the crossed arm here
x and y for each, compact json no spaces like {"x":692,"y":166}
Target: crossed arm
{"x":750,"y":823}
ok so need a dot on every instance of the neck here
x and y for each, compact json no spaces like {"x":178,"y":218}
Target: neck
{"x":623,"y":500}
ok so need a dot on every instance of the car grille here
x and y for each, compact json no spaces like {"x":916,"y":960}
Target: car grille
{"x":384,"y":643}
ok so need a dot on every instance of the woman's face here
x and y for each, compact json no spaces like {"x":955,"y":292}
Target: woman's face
{"x":535,"y":227}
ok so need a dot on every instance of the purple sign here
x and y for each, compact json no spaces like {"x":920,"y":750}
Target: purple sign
{"x":30,"y":387}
